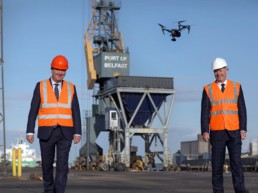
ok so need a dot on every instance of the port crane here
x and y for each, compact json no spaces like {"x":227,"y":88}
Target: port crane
{"x":124,"y":106}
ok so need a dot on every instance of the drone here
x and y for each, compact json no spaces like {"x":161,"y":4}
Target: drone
{"x":175,"y":33}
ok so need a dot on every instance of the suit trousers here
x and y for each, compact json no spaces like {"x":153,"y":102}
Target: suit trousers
{"x":59,"y":144}
{"x":220,"y":140}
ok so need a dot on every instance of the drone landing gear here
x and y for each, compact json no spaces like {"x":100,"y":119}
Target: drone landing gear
{"x":173,"y":39}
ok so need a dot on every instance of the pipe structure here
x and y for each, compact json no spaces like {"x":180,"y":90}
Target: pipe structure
{"x":19,"y":162}
{"x":17,"y":156}
{"x":14,"y":162}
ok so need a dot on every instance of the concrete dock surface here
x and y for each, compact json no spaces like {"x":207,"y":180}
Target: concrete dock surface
{"x":126,"y":182}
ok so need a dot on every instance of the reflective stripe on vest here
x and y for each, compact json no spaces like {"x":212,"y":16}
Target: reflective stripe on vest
{"x":224,"y":110}
{"x":55,"y":116}
{"x":53,"y":112}
{"x":45,"y":97}
{"x":213,"y":102}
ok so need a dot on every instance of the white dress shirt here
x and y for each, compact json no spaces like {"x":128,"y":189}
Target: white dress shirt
{"x":220,"y":83}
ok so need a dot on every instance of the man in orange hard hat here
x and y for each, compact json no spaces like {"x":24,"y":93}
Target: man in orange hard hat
{"x":224,"y":124}
{"x":56,"y":106}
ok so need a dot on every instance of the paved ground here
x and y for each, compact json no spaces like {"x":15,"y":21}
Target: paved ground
{"x":127,"y":182}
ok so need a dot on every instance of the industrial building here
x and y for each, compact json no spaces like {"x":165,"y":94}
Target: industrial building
{"x":253,"y":148}
{"x":196,"y":149}
{"x":196,"y":155}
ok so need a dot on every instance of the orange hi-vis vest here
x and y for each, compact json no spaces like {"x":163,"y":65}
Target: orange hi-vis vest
{"x":224,"y":110}
{"x":53,"y":112}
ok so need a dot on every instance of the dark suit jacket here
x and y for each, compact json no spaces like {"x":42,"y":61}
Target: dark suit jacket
{"x":45,"y":132}
{"x":206,"y":106}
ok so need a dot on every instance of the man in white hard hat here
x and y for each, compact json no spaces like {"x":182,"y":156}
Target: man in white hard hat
{"x":224,"y":124}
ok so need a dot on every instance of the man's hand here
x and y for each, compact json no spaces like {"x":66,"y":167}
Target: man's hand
{"x":30,"y":138}
{"x":76,"y":139}
{"x":206,"y":136}
{"x":243,"y":134}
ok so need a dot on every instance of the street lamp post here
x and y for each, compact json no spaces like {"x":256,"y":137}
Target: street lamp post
{"x":2,"y":74}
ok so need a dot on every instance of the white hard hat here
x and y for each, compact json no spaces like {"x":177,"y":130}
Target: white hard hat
{"x":219,"y":63}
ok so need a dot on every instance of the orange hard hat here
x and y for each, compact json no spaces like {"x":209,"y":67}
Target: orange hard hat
{"x":60,"y":62}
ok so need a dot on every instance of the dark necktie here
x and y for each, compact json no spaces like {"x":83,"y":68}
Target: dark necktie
{"x":56,"y":91}
{"x":222,"y":87}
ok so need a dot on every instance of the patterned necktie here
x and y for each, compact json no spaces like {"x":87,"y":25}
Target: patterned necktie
{"x":56,"y":91}
{"x":222,"y":87}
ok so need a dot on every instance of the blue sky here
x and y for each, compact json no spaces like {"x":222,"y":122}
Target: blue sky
{"x":37,"y":30}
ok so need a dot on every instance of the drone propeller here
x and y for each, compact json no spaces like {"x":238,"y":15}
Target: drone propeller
{"x":182,"y":27}
{"x":162,"y":28}
{"x":188,"y":27}
{"x":179,"y":22}
{"x":161,"y":25}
